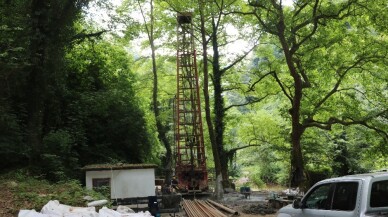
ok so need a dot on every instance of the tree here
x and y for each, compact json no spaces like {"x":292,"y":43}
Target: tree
{"x":102,"y":103}
{"x":162,"y":130}
{"x":13,"y":59}
{"x":259,"y":131}
{"x":326,"y":47}
{"x":68,"y":95}
{"x":148,"y":64}
{"x":214,"y":20}
{"x":34,"y":60}
{"x":216,"y":154}
{"x":219,"y":19}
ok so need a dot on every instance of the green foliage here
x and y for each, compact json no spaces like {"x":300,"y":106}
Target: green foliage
{"x":265,"y":152}
{"x":58,"y":157}
{"x":103,"y":190}
{"x":91,"y":97}
{"x":34,"y":193}
{"x":316,"y":174}
{"x":67,"y":97}
{"x":256,"y":180}
{"x":13,"y":58}
{"x":11,"y":146}
{"x":323,"y":68}
{"x":104,"y":105}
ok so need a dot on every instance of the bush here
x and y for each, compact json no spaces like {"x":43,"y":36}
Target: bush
{"x":34,"y":193}
{"x":257,"y":181}
{"x":58,"y":156}
{"x":315,"y":175}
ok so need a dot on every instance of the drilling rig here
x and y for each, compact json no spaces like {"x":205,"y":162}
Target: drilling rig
{"x":190,"y":162}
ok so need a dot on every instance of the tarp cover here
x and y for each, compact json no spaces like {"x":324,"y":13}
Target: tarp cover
{"x":54,"y":209}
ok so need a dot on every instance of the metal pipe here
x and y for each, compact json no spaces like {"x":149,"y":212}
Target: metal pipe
{"x":214,"y":211}
{"x":188,"y":208}
{"x":204,"y":209}
{"x":220,"y":206}
{"x":198,"y":208}
{"x":192,"y":210}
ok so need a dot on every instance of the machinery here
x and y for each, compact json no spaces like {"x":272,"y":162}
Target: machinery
{"x":190,"y":162}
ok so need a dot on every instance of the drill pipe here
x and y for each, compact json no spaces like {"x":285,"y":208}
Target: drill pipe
{"x":199,"y":208}
{"x":222,"y":207}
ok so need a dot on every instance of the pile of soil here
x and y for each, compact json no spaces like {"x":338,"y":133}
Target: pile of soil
{"x":255,"y":205}
{"x":262,"y":209}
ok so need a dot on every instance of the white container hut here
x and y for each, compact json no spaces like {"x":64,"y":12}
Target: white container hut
{"x":124,"y":180}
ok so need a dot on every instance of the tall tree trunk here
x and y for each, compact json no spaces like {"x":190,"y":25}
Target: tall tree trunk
{"x":167,"y":162}
{"x":36,"y":81}
{"x":218,"y":187}
{"x":162,"y":130}
{"x":297,"y":165}
{"x":219,"y":107}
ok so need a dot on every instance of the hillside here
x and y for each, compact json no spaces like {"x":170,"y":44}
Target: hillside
{"x":23,"y":192}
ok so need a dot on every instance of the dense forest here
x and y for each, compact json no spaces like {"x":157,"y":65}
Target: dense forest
{"x":292,"y":91}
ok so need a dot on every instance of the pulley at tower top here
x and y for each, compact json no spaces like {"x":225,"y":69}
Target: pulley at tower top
{"x":184,"y":18}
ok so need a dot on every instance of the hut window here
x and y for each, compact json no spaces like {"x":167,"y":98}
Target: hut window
{"x":102,"y":185}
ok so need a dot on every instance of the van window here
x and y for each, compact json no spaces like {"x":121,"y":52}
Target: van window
{"x":379,"y":194}
{"x":345,"y":196}
{"x":318,"y":198}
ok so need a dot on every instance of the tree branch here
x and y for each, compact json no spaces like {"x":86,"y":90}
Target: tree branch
{"x":301,"y":7}
{"x":233,"y":150}
{"x":248,"y":102}
{"x":82,"y":35}
{"x":357,"y":64}
{"x":251,"y":87}
{"x":315,"y":21}
{"x":306,"y":81}
{"x":282,"y":86}
{"x":347,"y":121}
{"x":239,"y":59}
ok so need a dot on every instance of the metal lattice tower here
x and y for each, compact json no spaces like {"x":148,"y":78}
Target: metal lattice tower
{"x":190,"y":151}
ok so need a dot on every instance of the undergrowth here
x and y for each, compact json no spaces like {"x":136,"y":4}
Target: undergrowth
{"x":34,"y":192}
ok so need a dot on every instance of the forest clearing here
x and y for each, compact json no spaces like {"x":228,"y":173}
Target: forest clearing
{"x":26,"y":193}
{"x":125,"y":99}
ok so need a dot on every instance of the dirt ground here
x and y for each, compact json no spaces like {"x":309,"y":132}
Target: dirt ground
{"x":7,"y":207}
{"x":254,"y":206}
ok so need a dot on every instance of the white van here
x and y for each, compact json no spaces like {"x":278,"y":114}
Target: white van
{"x":348,"y":196}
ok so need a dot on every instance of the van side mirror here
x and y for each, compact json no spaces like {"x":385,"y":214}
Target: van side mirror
{"x":297,"y":203}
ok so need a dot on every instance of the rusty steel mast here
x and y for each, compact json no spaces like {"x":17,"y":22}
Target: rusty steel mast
{"x":190,"y":162}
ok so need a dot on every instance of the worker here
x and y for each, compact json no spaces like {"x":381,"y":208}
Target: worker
{"x":174,"y":183}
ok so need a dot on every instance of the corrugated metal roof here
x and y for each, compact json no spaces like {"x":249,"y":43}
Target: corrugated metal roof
{"x":120,"y":166}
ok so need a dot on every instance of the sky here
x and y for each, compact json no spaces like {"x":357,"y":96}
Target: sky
{"x":99,"y":16}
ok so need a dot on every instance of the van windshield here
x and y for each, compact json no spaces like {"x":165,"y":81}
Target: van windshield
{"x":379,"y":194}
